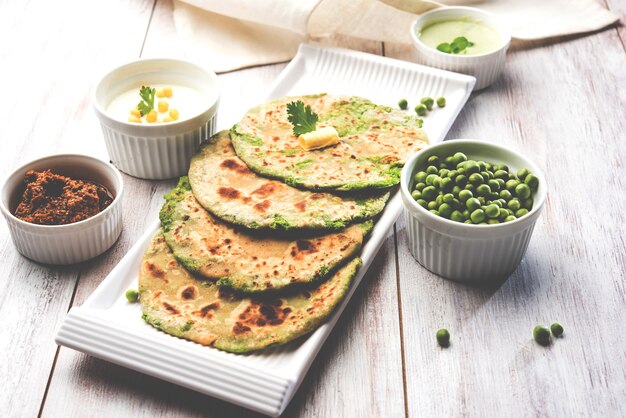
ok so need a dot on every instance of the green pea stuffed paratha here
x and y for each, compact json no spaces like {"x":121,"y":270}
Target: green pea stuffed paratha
{"x":175,"y":301}
{"x":375,"y":143}
{"x":224,"y":185}
{"x":250,"y":262}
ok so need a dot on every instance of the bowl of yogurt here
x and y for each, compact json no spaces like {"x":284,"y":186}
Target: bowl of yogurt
{"x":155,"y":113}
{"x":462,"y":39}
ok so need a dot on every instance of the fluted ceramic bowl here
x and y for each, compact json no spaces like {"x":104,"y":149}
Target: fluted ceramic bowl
{"x":70,"y":243}
{"x":485,"y":67}
{"x":156,"y":150}
{"x":467,"y":252}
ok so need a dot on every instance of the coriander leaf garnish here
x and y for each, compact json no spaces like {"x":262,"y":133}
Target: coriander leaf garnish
{"x":457,"y":46}
{"x":147,"y":103}
{"x":301,"y":117}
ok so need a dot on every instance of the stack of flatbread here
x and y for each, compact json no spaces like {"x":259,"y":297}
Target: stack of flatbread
{"x":260,"y":242}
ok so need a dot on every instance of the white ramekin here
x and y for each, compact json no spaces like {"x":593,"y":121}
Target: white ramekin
{"x":466,"y":252}
{"x":156,"y":151}
{"x":71,"y":243}
{"x":485,"y":67}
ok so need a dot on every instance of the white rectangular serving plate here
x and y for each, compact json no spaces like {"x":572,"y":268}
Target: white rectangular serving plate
{"x":108,"y":327}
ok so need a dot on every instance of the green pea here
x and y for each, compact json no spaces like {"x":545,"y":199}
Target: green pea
{"x":506,"y":195}
{"x":501,"y":183}
{"x":532,"y":181}
{"x":429,"y":193}
{"x":492,"y":221}
{"x":464,"y":195}
{"x":450,"y":162}
{"x":477,"y":216}
{"x":441,"y":101}
{"x":469,"y":221}
{"x":522,"y":191}
{"x":512,"y":204}
{"x":483,"y":190}
{"x":496,"y":202}
{"x":443,"y":172}
{"x":522,"y":173}
{"x":466,"y":214}
{"x":452,"y":174}
{"x":420,"y":177}
{"x":481,"y":165}
{"x":476,"y":179}
{"x":434,"y":211}
{"x":448,"y":198}
{"x":493,"y":196}
{"x":456,"y":204}
{"x":471,"y":167}
{"x":501,"y":174}
{"x":434,"y":160}
{"x":502,"y":167}
{"x":470,"y":187}
{"x":502,"y":202}
{"x":494,"y":185}
{"x":432,"y":205}
{"x":430,"y":179}
{"x":420,"y":186}
{"x":521,"y":212}
{"x":461,"y":180}
{"x":557,"y":329}
{"x":487,"y":175}
{"x":431,"y":169}
{"x":445,"y":210}
{"x":422,"y":203}
{"x":472,"y":204}
{"x":437,"y":182}
{"x":403,"y":104}
{"x":541,"y":334}
{"x":443,"y":338}
{"x":457,"y":216}
{"x":492,"y":211}
{"x":439,"y":199}
{"x":459,"y":157}
{"x":132,"y":295}
{"x":510,"y":218}
{"x":428,"y":102}
{"x":446,"y":184}
{"x":504,"y":213}
{"x":460,"y":171}
{"x":512,"y":184}
{"x":456,"y":190}
{"x":416,"y":194}
{"x":420,"y":109}
{"x":528,"y":203}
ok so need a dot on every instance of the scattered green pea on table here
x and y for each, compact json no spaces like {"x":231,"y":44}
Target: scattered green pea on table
{"x":541,"y":335}
{"x":472,"y":191}
{"x":557,"y":329}
{"x":443,"y":338}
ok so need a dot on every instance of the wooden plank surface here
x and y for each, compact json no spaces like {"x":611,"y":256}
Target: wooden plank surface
{"x":561,"y":103}
{"x":47,"y":68}
{"x":559,"y":107}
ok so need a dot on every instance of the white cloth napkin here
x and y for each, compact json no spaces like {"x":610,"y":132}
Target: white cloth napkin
{"x":233,"y":34}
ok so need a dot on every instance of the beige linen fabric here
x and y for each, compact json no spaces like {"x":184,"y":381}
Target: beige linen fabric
{"x":232,"y":34}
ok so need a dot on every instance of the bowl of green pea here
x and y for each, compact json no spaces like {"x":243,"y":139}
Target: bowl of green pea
{"x":470,"y":208}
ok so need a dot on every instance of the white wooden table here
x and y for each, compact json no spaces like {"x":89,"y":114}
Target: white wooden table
{"x":562,"y":103}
